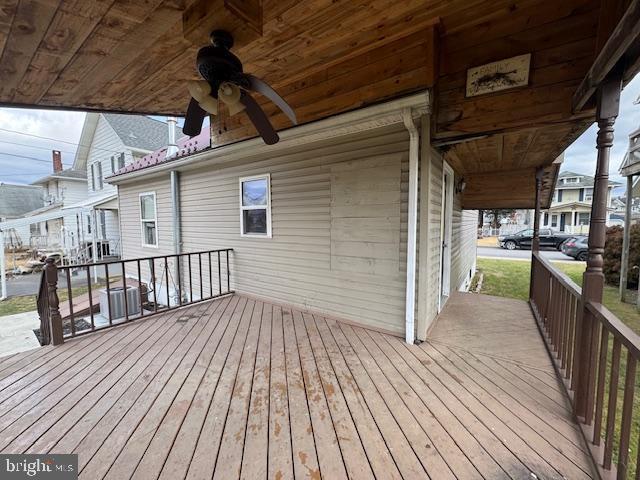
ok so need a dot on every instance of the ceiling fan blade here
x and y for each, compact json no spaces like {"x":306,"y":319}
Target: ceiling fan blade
{"x":194,"y":118}
{"x":259,"y":119}
{"x":265,"y":89}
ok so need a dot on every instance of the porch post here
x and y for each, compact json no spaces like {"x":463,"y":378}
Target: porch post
{"x":626,"y":238}
{"x":608,"y":99}
{"x":55,"y":319}
{"x":535,"y":244}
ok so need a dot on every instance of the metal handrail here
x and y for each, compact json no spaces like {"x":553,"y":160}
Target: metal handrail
{"x":63,"y":322}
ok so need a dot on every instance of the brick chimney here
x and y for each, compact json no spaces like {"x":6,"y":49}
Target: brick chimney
{"x":57,"y":161}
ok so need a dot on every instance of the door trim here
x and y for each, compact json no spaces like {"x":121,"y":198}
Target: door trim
{"x":446,"y":230}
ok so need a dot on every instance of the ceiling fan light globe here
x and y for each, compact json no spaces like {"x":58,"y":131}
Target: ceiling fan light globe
{"x":229,"y":93}
{"x":199,"y":89}
{"x":235,"y":108}
{"x":209,"y":104}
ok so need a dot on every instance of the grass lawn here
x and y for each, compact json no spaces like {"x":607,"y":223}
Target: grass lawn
{"x":27,"y":303}
{"x":510,"y":278}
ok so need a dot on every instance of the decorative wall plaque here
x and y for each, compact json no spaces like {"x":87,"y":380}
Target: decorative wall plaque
{"x":501,"y":75}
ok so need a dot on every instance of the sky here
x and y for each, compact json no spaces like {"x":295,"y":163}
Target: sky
{"x":24,"y":157}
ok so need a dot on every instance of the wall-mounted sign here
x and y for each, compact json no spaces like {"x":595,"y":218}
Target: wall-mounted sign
{"x":502,"y":75}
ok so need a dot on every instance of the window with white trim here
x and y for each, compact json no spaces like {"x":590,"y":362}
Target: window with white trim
{"x":255,"y":206}
{"x":588,"y":194}
{"x":117,"y":163}
{"x":148,"y":219}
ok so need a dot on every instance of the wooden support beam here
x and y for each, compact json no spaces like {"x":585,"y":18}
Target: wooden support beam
{"x":621,"y":39}
{"x":488,"y":191}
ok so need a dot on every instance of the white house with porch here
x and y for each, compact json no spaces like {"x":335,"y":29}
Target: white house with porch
{"x":109,"y":142}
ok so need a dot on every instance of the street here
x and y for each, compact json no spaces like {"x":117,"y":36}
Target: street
{"x":29,"y":284}
{"x":497,"y":252}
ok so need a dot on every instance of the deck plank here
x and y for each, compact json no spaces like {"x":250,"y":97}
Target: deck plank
{"x":468,"y":431}
{"x":77,"y":425}
{"x":280,"y":455}
{"x":305,"y":457}
{"x":229,"y":461}
{"x":254,"y":390}
{"x":255,"y":458}
{"x":203,"y":461}
{"x":376,"y":447}
{"x":136,"y":430}
{"x":355,"y":459}
{"x":148,"y":455}
{"x":403,"y":453}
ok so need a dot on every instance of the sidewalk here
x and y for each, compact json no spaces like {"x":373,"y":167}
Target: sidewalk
{"x":16,"y":332}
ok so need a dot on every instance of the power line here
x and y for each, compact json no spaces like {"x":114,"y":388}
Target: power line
{"x":36,"y":146}
{"x":56,"y":140}
{"x":25,"y":156}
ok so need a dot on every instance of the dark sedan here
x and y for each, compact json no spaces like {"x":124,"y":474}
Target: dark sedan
{"x":524,"y":238}
{"x":576,"y":247}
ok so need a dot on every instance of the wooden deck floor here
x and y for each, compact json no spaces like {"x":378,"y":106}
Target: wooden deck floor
{"x":239,"y":388}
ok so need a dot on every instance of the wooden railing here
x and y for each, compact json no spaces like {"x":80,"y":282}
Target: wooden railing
{"x":612,"y":421}
{"x":112,"y":293}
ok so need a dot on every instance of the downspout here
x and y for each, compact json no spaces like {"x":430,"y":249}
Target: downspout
{"x":177,"y":222}
{"x":412,"y":224}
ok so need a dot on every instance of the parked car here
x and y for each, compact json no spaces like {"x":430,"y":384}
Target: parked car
{"x":576,"y":247}
{"x":523,"y":239}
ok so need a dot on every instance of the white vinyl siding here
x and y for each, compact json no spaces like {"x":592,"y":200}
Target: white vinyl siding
{"x":339,"y":221}
{"x":295,"y":265}
{"x":105,"y":145}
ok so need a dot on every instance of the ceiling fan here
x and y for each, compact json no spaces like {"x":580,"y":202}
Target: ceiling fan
{"x":224,"y":81}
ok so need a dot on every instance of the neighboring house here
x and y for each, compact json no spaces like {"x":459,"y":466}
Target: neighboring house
{"x":570,"y":210}
{"x":108,"y":143}
{"x":62,"y":188}
{"x":15,"y":201}
{"x":324,"y":231}
{"x":631,"y":161}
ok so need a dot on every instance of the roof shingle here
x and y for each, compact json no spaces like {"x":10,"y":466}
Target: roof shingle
{"x":16,"y":200}
{"x":139,"y":131}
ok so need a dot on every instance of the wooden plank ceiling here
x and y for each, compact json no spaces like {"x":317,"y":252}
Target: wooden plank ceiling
{"x":324,"y":57}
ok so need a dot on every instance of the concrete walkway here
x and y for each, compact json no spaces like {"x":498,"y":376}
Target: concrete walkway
{"x":16,"y":333}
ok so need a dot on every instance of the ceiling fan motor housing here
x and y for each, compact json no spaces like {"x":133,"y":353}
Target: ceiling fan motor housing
{"x":216,"y":64}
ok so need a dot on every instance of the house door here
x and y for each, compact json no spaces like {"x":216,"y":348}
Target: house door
{"x":563,"y":221}
{"x":445,"y":234}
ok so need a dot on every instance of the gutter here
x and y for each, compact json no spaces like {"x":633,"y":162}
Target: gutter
{"x":367,"y":118}
{"x":412,"y":224}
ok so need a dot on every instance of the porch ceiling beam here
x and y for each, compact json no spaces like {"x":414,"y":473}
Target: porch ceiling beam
{"x":619,"y":43}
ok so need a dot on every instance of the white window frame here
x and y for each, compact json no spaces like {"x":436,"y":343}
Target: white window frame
{"x":143,"y":220}
{"x":241,"y":180}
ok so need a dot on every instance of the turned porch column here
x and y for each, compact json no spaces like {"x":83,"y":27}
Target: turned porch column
{"x":608,"y":100}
